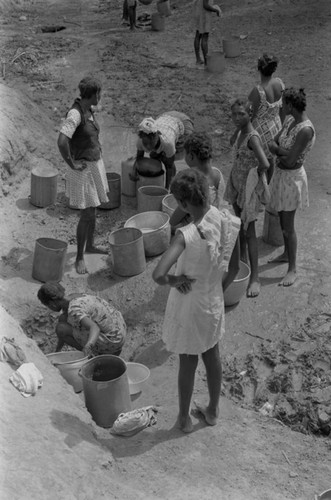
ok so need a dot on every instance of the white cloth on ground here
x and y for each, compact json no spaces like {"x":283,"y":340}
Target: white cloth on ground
{"x":27,"y":379}
{"x":132,"y":422}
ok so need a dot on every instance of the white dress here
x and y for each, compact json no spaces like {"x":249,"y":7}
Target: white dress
{"x":194,"y":322}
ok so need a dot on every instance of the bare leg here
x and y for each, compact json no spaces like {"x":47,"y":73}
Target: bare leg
{"x":290,"y":240}
{"x":242,"y":236}
{"x":212,"y":362}
{"x":90,"y":248}
{"x":204,"y":46}
{"x":170,"y":173}
{"x":197,"y":41}
{"x":187,"y":367}
{"x":82,"y":231}
{"x":132,"y":17}
{"x":280,"y":259}
{"x":65,"y":336}
{"x":253,"y":289}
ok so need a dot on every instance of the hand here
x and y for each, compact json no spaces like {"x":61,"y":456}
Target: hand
{"x":273,"y":146}
{"x":82,"y":165}
{"x":184,"y":284}
{"x":88,"y":350}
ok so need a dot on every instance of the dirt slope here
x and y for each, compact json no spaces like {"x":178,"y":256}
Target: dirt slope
{"x":143,"y":73}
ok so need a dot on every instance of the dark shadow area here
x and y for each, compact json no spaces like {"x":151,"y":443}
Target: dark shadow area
{"x":25,"y":205}
{"x":76,"y":430}
{"x":17,"y":264}
{"x":154,"y":355}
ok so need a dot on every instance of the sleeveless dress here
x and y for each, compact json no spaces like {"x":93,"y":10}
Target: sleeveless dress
{"x":289,"y":188}
{"x":267,"y":121}
{"x":194,"y":322}
{"x":244,"y":160}
{"x":202,"y":17}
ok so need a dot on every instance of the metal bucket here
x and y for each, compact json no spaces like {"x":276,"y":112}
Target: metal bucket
{"x":216,"y":62}
{"x":231,"y":47}
{"x":43,"y":186}
{"x":114,"y":191}
{"x":150,"y":198}
{"x":163,"y":7}
{"x":158,"y":22}
{"x":127,"y":248}
{"x":169,"y":204}
{"x":156,"y":231}
{"x":128,"y":185}
{"x":106,"y":388}
{"x":272,"y":232}
{"x":49,"y":259}
{"x":69,"y":363}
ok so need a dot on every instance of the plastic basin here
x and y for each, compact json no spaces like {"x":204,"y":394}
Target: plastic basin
{"x":138,"y":375}
{"x":156,"y":231}
{"x":169,"y":204}
{"x":69,"y":363}
{"x":237,"y":289}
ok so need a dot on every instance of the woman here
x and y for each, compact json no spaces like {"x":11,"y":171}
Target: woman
{"x":194,"y":319}
{"x":247,"y":186}
{"x":164,"y":138}
{"x":87,"y":323}
{"x":267,"y":103}
{"x":86,"y":181}
{"x":289,"y":187}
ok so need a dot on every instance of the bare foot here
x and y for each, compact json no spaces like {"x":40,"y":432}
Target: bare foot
{"x":199,"y":61}
{"x":185,"y":424}
{"x":253,"y":289}
{"x":211,"y":418}
{"x":289,"y":279}
{"x":80,"y":266}
{"x":95,"y":250}
{"x":280,"y":258}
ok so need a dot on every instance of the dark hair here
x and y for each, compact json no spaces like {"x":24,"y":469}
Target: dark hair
{"x":267,"y":65}
{"x":245,"y":103}
{"x":192,"y":186}
{"x":200,"y":144}
{"x":50,"y":291}
{"x":142,"y":134}
{"x":89,"y":86}
{"x":296,"y":97}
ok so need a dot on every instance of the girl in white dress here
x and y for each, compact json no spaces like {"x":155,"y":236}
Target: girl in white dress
{"x":194,"y":317}
{"x":289,"y":186}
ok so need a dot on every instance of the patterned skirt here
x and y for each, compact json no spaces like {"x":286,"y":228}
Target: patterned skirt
{"x":87,"y":188}
{"x":289,"y":190}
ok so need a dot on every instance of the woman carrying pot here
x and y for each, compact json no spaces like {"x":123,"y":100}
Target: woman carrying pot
{"x":289,"y":186}
{"x":163,"y":139}
{"x":87,"y":322}
{"x":86,"y":180}
{"x":266,"y":99}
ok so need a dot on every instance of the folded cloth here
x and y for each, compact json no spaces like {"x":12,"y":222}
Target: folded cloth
{"x":11,"y":352}
{"x":132,"y":422}
{"x":257,"y":191}
{"x":148,"y":126}
{"x":27,"y":379}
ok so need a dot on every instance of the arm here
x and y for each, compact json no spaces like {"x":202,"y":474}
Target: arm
{"x":211,"y":8}
{"x":233,"y":266}
{"x":289,"y":159}
{"x":256,"y":146}
{"x":94,"y":332}
{"x":168,"y":259}
{"x":177,"y":217}
{"x":255,"y":99}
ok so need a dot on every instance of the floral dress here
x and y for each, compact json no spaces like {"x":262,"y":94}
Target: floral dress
{"x":289,"y":188}
{"x":267,"y":121}
{"x":109,"y":320}
{"x":244,"y":160}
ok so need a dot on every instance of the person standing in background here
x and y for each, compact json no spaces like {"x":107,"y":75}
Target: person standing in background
{"x":203,"y":18}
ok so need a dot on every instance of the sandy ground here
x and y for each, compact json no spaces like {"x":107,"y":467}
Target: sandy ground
{"x":277,"y":347}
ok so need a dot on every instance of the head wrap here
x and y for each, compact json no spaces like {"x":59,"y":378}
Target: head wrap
{"x":148,"y":126}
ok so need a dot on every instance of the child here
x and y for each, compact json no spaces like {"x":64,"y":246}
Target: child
{"x":194,"y":317}
{"x":203,"y":12}
{"x":198,"y":154}
{"x":247,"y":176}
{"x":130,"y":13}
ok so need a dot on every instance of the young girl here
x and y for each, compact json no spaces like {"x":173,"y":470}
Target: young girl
{"x":289,"y":186}
{"x":246,"y":186}
{"x":194,"y":317}
{"x":198,"y":154}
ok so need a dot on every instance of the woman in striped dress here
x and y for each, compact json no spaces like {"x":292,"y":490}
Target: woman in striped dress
{"x":86,"y":180}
